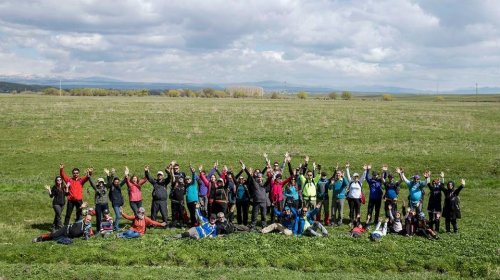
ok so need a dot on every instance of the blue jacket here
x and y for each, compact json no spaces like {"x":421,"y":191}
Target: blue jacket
{"x":291,"y":193}
{"x":242,"y":194}
{"x":375,"y":186}
{"x":339,"y":188}
{"x":287,"y":221}
{"x":301,"y":221}
{"x":205,"y":229}
{"x":322,"y":187}
{"x":192,"y":189}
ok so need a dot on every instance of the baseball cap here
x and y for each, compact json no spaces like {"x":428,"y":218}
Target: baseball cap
{"x":159,"y":173}
{"x":141,"y":210}
{"x":100,"y":180}
{"x":355,"y":175}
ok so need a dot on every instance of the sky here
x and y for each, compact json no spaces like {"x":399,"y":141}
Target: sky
{"x":424,"y":44}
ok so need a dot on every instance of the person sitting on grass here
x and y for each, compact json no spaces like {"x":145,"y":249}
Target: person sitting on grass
{"x":206,"y":228}
{"x":378,"y":233}
{"x":306,"y":224}
{"x":288,"y":219}
{"x":396,"y":224}
{"x":106,"y":228}
{"x":410,"y":221}
{"x":63,"y":235}
{"x":225,"y":226}
{"x":423,"y":228}
{"x":140,"y":221}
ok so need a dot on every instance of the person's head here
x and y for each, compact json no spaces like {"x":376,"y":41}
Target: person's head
{"x":450,"y":185}
{"x":276,"y":166}
{"x":176,"y":168}
{"x":288,"y":211}
{"x":436,"y":182}
{"x":220,"y":182}
{"x":135,"y":179}
{"x":309,"y":175}
{"x":279,"y":177}
{"x":293,"y":182}
{"x":75,"y":172}
{"x":87,"y":219}
{"x":105,"y":213}
{"x":58,"y":181}
{"x":241,"y":180}
{"x":221,"y":217}
{"x":255,"y":172}
{"x":375,"y":237}
{"x":421,"y":216}
{"x":140,"y":213}
{"x":416,"y":177}
{"x":338,"y":174}
{"x":323,"y":175}
{"x":398,"y":215}
{"x":189,"y":180}
{"x":100,"y":182}
{"x":180,"y":182}
{"x":229,"y":175}
{"x":355,"y":176}
{"x":213,"y":219}
{"x":116,"y":181}
{"x":375,"y":174}
{"x":213,"y":178}
{"x":304,"y":211}
{"x":259,"y":178}
{"x":159,"y":175}
{"x":390,"y":177}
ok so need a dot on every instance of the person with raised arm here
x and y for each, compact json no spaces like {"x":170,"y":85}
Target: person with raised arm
{"x":308,"y":183}
{"x":354,"y":194}
{"x":287,"y":220}
{"x":75,"y":192}
{"x":375,"y":199}
{"x":58,"y":194}
{"x":306,"y":224}
{"x":210,"y":182}
{"x":192,"y":194}
{"x":434,"y":206}
{"x":391,"y":192}
{"x":415,"y":188}
{"x":115,"y":195}
{"x":206,"y":227}
{"x":276,"y":192}
{"x":338,"y":185}
{"x":101,"y":198}
{"x":451,"y":209}
{"x":258,"y":189}
{"x":322,"y":187}
{"x":134,"y":190}
{"x":159,"y":193}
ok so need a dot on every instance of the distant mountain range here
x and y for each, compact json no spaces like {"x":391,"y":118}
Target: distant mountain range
{"x":34,"y":83}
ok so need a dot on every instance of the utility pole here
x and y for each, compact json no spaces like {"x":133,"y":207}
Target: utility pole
{"x":477,"y":99}
{"x":60,"y":89}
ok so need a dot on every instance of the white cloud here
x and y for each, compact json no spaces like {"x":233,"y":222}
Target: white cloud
{"x":409,"y":43}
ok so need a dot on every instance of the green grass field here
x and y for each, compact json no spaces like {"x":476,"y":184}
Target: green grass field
{"x":456,"y":136}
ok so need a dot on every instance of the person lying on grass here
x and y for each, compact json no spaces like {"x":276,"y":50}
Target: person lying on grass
{"x":63,"y":235}
{"x":139,"y":224}
{"x":358,"y":228}
{"x":225,"y":226}
{"x":206,"y":228}
{"x":378,"y":233}
{"x":423,"y":228}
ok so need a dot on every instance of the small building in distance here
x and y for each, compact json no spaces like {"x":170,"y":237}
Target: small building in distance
{"x":245,"y":91}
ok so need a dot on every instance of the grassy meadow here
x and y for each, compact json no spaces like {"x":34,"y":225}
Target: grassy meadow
{"x":459,"y":136}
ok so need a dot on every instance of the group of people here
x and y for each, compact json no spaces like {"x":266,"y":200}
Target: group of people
{"x":298,"y":204}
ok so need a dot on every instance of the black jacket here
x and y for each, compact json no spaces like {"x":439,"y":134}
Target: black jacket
{"x":159,"y":187}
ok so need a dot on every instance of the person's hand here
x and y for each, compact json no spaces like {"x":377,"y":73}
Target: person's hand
{"x":386,"y":220}
{"x":163,"y":224}
{"x":265,"y":156}
{"x":346,"y":165}
{"x":113,"y":171}
{"x":306,"y":158}
{"x":197,"y":205}
{"x":84,"y":205}
{"x":462,"y":181}
{"x":191,"y":168}
{"x":442,"y":174}
{"x":216,"y":163}
{"x":369,"y":166}
{"x":126,"y":172}
{"x":389,"y":207}
{"x":385,"y":167}
{"x":398,"y":170}
{"x":200,"y":168}
{"x":314,"y":165}
{"x":224,"y":168}
{"x":47,"y":187}
{"x":121,"y":210}
{"x":146,"y":168}
{"x":61,"y":165}
{"x":242,"y":165}
{"x":90,"y":170}
{"x":106,"y":171}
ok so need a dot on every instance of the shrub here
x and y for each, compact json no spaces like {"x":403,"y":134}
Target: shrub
{"x":346,"y":95}
{"x":332,"y":95}
{"x":387,"y":97}
{"x":302,"y":95}
{"x":439,"y":99}
{"x":275,"y":95}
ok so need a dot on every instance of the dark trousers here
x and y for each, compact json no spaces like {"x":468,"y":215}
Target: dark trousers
{"x":453,"y":222}
{"x":242,"y":212}
{"x":394,"y":205}
{"x":69,"y":209}
{"x":135,"y":205}
{"x":354,"y":208}
{"x":374,"y":203}
{"x":57,"y":215}
{"x":192,"y":212}
{"x":278,"y":206}
{"x":219,"y":207}
{"x":159,"y":205}
{"x":434,"y":221}
{"x":99,"y":209}
{"x":256,"y":207}
{"x":177,"y":212}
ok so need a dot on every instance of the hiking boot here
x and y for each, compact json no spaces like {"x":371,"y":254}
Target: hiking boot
{"x":36,"y":239}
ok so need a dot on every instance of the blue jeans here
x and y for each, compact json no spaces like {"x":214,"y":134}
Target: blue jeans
{"x":129,"y":234}
{"x":116,"y":223}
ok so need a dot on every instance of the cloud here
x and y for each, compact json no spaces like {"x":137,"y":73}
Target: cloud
{"x":406,"y":43}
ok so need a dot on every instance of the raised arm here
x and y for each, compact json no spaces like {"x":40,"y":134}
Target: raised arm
{"x":62,"y":173}
{"x":347,"y":172}
{"x":148,"y":176}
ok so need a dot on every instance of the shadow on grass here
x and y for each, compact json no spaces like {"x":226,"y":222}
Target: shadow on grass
{"x":44,"y":226}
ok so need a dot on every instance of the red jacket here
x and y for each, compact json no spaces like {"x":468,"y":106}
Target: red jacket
{"x":75,"y":185}
{"x":134,"y":190}
{"x":139,"y":225}
{"x":276,"y":193}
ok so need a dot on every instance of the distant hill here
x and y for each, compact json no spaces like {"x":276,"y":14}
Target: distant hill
{"x":7,"y":87}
